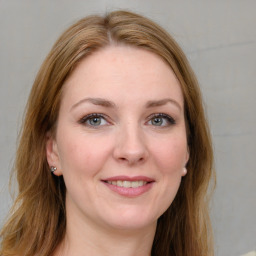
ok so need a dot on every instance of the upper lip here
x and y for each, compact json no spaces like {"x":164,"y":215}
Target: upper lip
{"x":129,"y":178}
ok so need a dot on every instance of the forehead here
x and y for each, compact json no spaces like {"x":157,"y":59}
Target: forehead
{"x":120,"y":72}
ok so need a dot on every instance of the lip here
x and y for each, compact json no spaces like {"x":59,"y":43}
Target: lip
{"x":128,"y":178}
{"x":129,"y":192}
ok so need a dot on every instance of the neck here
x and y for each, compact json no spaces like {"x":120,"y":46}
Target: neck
{"x":88,"y":239}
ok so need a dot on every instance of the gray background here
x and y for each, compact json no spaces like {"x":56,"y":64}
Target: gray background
{"x":219,"y":38}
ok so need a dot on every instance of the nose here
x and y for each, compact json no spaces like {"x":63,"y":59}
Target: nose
{"x":130,"y":146}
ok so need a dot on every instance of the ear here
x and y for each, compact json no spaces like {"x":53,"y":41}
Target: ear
{"x":187,"y":155}
{"x":184,"y":170}
{"x":52,"y":154}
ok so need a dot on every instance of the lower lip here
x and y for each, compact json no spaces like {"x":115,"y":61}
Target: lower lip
{"x":130,"y":192}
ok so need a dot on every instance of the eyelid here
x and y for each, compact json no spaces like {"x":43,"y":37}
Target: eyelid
{"x":84,"y":119}
{"x":87,"y":117}
{"x":169,"y":118}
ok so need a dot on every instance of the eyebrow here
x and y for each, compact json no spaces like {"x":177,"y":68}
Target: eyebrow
{"x":158,"y":103}
{"x":109,"y":104}
{"x":95,"y":101}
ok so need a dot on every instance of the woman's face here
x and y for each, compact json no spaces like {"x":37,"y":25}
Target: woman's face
{"x":121,"y":140}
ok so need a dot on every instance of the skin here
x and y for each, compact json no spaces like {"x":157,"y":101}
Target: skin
{"x":133,"y":85}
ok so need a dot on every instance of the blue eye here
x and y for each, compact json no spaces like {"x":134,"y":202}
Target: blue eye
{"x":161,"y":120}
{"x":93,"y":120}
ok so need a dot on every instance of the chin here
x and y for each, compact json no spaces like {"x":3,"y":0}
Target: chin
{"x":131,"y":220}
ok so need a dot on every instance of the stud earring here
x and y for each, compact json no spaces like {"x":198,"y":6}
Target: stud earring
{"x":184,"y":171}
{"x":53,"y":169}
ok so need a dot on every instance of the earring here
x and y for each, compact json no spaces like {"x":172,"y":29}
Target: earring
{"x":184,"y":171}
{"x":53,"y":169}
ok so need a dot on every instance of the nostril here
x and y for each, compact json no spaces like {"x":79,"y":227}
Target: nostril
{"x":130,"y":153}
{"x":131,"y":160}
{"x":141,"y":159}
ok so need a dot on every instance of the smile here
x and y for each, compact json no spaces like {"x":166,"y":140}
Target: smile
{"x":128,"y":184}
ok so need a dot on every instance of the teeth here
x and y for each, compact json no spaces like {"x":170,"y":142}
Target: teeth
{"x":119,"y":183}
{"x":114,"y":183}
{"x":135,"y":184}
{"x":128,"y":184}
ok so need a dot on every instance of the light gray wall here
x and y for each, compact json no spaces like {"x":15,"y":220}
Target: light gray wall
{"x":219,"y":38}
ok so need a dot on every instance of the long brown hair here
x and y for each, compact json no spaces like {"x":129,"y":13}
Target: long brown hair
{"x":37,"y":220}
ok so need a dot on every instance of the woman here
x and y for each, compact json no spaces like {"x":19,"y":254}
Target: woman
{"x":115,"y":156}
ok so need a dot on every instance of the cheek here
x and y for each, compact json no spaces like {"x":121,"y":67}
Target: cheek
{"x":81,"y":154}
{"x":171,"y":155}
{"x":169,"y":158}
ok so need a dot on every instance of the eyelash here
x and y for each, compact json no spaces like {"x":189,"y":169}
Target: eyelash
{"x":170,"y":120}
{"x":86,"y":118}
